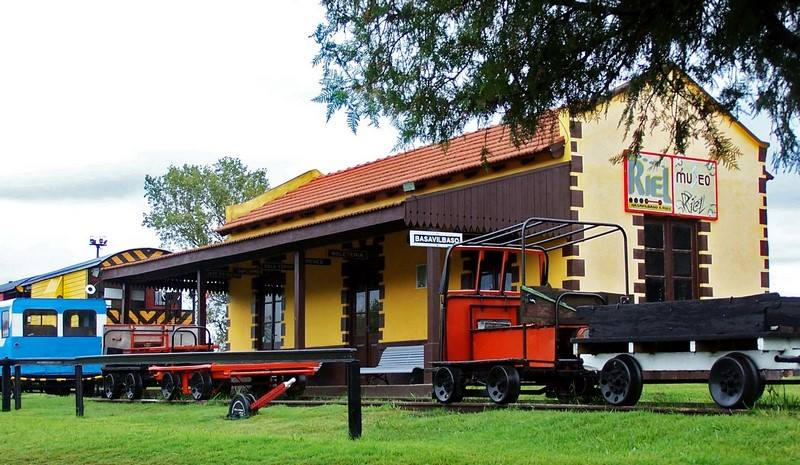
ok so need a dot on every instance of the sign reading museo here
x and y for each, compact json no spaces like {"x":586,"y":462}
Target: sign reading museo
{"x":671,"y":185}
{"x":433,"y":238}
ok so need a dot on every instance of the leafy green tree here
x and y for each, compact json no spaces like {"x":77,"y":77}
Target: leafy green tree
{"x":434,"y":66}
{"x":187,"y":204}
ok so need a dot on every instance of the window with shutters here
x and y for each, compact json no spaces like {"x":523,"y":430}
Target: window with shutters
{"x":670,"y":259}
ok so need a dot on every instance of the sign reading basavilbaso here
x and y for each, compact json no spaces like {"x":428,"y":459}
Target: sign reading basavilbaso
{"x":433,"y":238}
{"x":671,"y":185}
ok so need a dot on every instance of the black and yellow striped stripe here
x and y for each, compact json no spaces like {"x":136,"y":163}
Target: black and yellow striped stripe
{"x":133,"y":255}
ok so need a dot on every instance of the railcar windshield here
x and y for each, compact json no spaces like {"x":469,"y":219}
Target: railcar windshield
{"x":80,"y":323}
{"x":5,"y":323}
{"x":39,"y":323}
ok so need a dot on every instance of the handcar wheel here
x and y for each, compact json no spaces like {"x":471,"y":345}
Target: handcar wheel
{"x":170,"y":386}
{"x":296,"y":390}
{"x":239,"y":407}
{"x":112,"y":386}
{"x":756,"y":376}
{"x":200,"y":385}
{"x":733,"y":381}
{"x":448,"y":385}
{"x":621,"y":381}
{"x":503,"y":384}
{"x":132,"y":386}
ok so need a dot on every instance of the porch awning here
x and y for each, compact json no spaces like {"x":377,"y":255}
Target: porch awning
{"x":230,"y":252}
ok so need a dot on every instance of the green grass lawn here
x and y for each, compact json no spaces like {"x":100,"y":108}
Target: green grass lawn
{"x":47,"y":431}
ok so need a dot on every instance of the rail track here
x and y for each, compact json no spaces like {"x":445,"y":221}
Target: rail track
{"x":474,"y":407}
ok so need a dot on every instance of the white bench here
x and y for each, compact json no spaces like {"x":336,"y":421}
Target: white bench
{"x":398,"y":360}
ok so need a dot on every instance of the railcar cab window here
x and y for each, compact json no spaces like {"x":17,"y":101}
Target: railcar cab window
{"x":491,"y":265}
{"x":5,"y":323}
{"x":40,"y":323}
{"x":79,"y":323}
{"x":490,"y":270}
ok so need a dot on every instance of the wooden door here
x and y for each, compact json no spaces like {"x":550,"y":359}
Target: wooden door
{"x":365,"y":307}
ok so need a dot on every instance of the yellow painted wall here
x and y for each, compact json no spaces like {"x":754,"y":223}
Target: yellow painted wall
{"x":734,"y":238}
{"x":323,"y":301}
{"x":288,"y":313}
{"x":405,"y":307}
{"x":75,"y":284}
{"x":49,"y":288}
{"x":239,"y":312}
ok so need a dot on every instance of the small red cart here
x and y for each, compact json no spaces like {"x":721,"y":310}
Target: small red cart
{"x":202,"y":381}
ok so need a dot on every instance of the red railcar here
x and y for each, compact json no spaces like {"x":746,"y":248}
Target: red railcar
{"x":506,"y":329}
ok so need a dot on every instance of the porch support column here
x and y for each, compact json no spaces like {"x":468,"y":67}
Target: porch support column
{"x":201,"y":318}
{"x":126,"y":303}
{"x":434,"y":273}
{"x":300,"y":299}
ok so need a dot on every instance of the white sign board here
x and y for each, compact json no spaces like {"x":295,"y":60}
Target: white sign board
{"x":671,"y":185}
{"x":433,"y":238}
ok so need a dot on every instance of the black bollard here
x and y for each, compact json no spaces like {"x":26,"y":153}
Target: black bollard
{"x":79,"y":390}
{"x":17,"y":387}
{"x":6,"y":385}
{"x":354,"y":399}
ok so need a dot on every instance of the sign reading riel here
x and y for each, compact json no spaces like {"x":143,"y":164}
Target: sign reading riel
{"x":434,"y":238}
{"x":671,"y":185}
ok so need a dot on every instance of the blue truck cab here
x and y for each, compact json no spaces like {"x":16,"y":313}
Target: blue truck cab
{"x":51,"y":328}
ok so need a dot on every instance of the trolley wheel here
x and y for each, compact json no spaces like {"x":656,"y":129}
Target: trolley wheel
{"x":250,"y":397}
{"x":200,"y":385}
{"x":503,"y":384}
{"x":621,"y":381}
{"x":734,"y":381}
{"x":296,"y":390}
{"x":112,"y":386}
{"x":170,"y":385}
{"x":132,"y":386}
{"x":448,"y":385}
{"x":239,"y":407}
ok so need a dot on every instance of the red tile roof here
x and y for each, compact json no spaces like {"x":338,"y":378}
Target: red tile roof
{"x":432,"y":161}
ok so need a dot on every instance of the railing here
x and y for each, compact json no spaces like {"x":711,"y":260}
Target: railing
{"x":345,"y":356}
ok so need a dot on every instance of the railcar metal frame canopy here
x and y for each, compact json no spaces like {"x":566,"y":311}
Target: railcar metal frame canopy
{"x":544,"y":235}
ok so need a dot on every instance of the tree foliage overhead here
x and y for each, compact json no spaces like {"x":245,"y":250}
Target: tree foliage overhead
{"x":435,"y":66}
{"x":187,"y":203}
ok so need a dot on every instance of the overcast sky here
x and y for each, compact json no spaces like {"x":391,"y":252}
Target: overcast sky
{"x":94,"y":95}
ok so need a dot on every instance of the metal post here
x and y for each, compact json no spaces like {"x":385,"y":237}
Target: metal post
{"x":79,"y":390}
{"x":354,"y":399}
{"x":126,"y":303}
{"x":300,"y":299}
{"x":6,"y":385}
{"x":17,"y":387}
{"x":201,"y":318}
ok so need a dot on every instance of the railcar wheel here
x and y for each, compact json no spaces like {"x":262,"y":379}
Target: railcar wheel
{"x":734,"y":381}
{"x":132,"y":386}
{"x":170,"y":386}
{"x":621,"y":381}
{"x":296,"y":390}
{"x":448,"y":385}
{"x":239,"y":407}
{"x":503,"y":384}
{"x":112,"y":386}
{"x":200,"y":385}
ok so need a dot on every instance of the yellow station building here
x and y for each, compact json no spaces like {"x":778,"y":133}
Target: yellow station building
{"x":327,"y":260}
